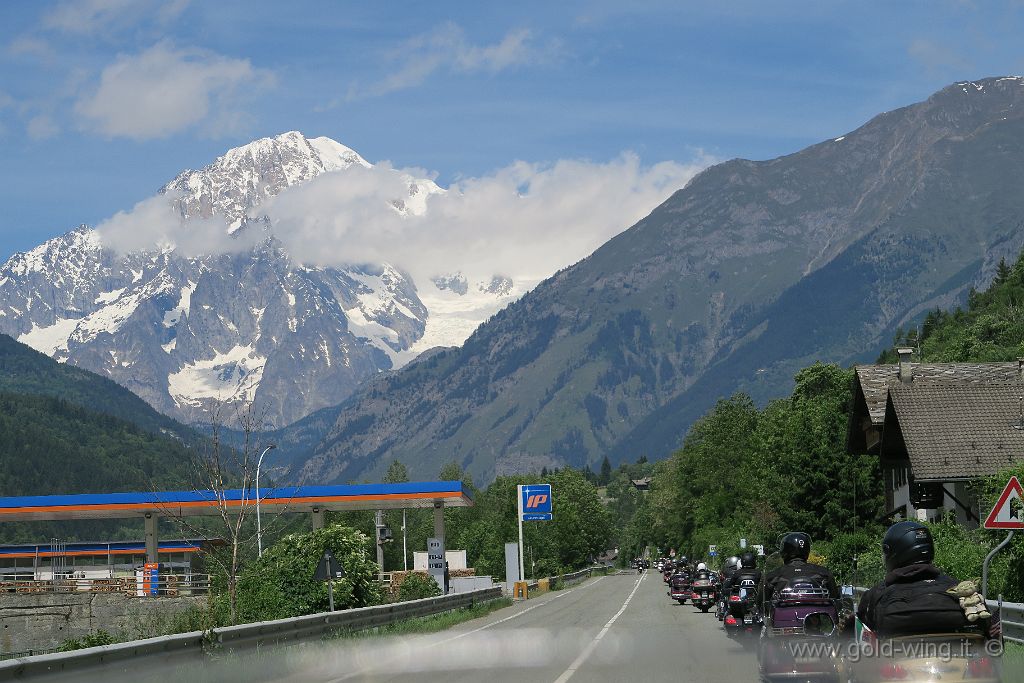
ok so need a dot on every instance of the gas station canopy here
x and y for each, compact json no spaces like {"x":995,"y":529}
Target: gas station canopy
{"x":316,"y":499}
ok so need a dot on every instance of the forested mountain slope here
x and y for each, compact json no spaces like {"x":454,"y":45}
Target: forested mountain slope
{"x":752,"y":271}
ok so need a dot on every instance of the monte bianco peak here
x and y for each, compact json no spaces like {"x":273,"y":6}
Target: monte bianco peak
{"x":187,"y":332}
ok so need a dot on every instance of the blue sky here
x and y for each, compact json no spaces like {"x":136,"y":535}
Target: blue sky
{"x":103,"y":101}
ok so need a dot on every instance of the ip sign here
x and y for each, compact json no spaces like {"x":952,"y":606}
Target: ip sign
{"x":536,"y":502}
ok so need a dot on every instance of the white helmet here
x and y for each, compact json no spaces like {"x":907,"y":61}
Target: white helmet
{"x":701,"y":567}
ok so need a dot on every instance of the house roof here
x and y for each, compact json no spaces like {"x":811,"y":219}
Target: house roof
{"x":875,"y":380}
{"x":956,"y":428}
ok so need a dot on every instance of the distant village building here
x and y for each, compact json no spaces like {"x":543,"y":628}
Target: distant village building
{"x":935,"y":427}
{"x":642,"y":484}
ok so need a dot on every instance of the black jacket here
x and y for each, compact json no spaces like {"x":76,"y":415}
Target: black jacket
{"x":737,"y":579}
{"x":798,"y":569}
{"x":866,"y":611}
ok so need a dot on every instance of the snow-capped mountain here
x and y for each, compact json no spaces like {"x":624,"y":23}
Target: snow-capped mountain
{"x":186,"y":332}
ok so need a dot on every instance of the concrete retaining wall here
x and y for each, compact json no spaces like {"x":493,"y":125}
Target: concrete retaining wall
{"x":42,"y":621}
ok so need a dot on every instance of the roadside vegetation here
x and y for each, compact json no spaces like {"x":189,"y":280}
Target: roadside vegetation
{"x":746,"y":472}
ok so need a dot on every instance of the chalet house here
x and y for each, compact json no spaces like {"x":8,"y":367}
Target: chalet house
{"x":936,"y":427}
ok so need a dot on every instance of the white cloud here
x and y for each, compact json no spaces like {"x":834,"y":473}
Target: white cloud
{"x":88,"y":17}
{"x":41,"y":127}
{"x":525,"y":221}
{"x":446,"y":47}
{"x":30,"y":46}
{"x":154,"y":224}
{"x":164,"y":90}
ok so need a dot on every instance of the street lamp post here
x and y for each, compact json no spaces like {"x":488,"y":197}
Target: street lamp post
{"x":259,"y":527}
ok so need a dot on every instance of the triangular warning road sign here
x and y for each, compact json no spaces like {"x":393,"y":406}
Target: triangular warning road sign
{"x":1008,"y":512}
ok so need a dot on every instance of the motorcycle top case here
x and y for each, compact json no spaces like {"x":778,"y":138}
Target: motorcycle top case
{"x":918,"y":607}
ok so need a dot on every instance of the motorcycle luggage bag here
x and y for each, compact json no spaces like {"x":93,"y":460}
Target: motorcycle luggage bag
{"x":905,"y":609}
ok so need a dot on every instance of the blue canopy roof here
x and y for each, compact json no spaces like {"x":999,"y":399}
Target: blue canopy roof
{"x":198,"y":503}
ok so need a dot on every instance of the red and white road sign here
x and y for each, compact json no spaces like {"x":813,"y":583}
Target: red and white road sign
{"x":1008,"y":512}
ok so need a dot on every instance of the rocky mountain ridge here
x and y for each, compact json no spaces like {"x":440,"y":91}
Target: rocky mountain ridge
{"x":188,"y":333}
{"x":753,"y":270}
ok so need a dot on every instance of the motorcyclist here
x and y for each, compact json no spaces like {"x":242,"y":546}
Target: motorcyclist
{"x":911,"y":579}
{"x":748,"y":576}
{"x":747,"y":570}
{"x":729,"y":569}
{"x":795,"y":548}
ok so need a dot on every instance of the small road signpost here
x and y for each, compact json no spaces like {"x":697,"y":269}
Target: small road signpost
{"x":329,"y":569}
{"x":1007,"y":513}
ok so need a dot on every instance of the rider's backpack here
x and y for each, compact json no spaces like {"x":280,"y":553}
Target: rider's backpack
{"x":918,"y":607}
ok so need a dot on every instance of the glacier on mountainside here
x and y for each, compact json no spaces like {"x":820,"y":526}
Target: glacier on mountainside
{"x":187,"y":332}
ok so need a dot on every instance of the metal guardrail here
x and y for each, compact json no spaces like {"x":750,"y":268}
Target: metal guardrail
{"x":1011,"y":619}
{"x":576,"y":577}
{"x":243,"y":636}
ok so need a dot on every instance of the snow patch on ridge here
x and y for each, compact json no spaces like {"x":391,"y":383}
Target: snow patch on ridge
{"x":172,"y":316}
{"x":231,"y":376}
{"x":50,"y":339}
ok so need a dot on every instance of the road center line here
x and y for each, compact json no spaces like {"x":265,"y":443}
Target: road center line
{"x":578,"y":662}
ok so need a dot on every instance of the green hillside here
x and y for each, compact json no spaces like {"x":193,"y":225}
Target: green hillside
{"x":24,"y":370}
{"x":65,"y":430}
{"x":50,"y":446}
{"x":990,"y":329}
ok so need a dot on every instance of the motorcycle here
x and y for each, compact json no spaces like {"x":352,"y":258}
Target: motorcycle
{"x":950,"y":657}
{"x":799,"y":638}
{"x":704,"y":593}
{"x":740,"y":619}
{"x":679,"y":587}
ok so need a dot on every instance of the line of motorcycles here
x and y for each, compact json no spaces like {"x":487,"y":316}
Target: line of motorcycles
{"x":800,"y":636}
{"x":734,"y":610}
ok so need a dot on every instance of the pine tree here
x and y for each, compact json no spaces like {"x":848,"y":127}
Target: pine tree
{"x":1002,"y":272}
{"x":606,"y":472}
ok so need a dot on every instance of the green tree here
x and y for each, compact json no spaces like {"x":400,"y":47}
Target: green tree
{"x":417,"y":586}
{"x":606,"y":472}
{"x":281,"y":583}
{"x":581,"y":524}
{"x":397,"y":473}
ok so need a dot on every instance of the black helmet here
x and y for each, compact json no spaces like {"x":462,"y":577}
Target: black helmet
{"x":732,"y":563}
{"x":682,"y":560}
{"x":795,"y":544}
{"x":907,"y":543}
{"x":748,"y":560}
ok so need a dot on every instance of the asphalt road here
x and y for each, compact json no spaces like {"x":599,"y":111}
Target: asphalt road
{"x":613,"y":628}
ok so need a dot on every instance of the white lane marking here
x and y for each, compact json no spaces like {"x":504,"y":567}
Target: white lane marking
{"x":518,"y":614}
{"x":561,"y":594}
{"x":578,"y":662}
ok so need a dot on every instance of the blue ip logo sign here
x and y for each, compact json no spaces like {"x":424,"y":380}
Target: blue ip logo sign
{"x":536,"y":502}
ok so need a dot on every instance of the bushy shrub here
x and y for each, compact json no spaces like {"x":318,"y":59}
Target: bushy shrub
{"x":94,"y":639}
{"x":281,"y":583}
{"x":418,"y":586}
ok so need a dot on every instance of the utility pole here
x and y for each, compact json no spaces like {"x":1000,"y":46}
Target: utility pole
{"x":405,"y":553}
{"x":380,"y":545}
{"x":259,"y":526}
